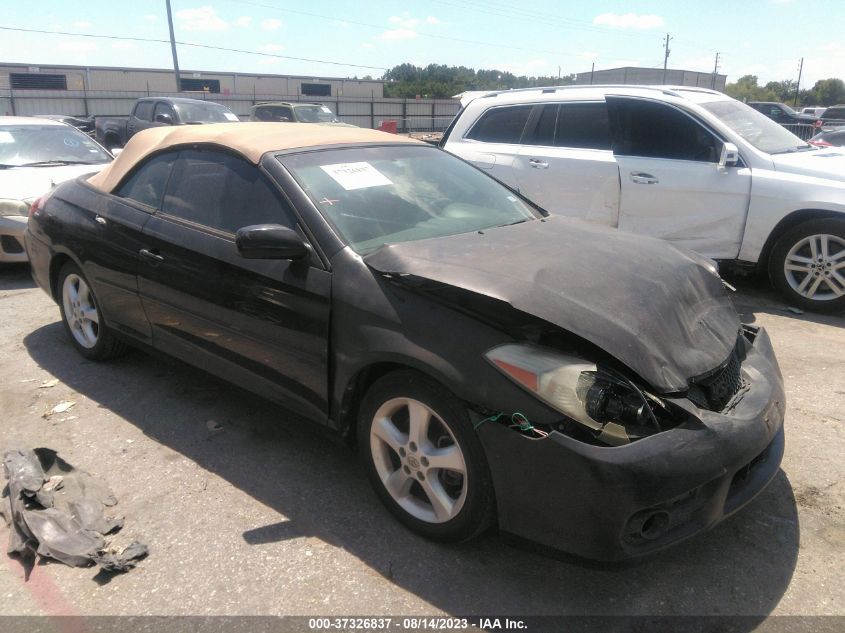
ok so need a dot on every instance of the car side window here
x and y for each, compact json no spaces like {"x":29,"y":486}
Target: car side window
{"x":656,"y":130}
{"x":543,"y":131}
{"x":146,"y":185}
{"x":163,"y":108}
{"x":501,"y":125}
{"x":223,"y":192}
{"x":583,"y":125}
{"x":144,"y":110}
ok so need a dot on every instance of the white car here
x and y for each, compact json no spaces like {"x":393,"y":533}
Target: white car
{"x":35,"y":155}
{"x":813,"y":110}
{"x":688,"y":165}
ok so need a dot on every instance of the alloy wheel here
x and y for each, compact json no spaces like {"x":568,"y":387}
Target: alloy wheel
{"x":80,"y":310}
{"x":815,"y":267}
{"x":418,"y":460}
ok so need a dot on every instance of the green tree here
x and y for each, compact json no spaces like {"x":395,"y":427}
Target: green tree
{"x":747,"y":89}
{"x":829,"y":92}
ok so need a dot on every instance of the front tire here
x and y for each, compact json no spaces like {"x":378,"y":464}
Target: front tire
{"x":807,"y":265}
{"x":82,"y":318}
{"x":423,"y":458}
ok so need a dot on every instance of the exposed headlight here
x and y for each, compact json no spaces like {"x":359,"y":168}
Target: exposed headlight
{"x":14,"y":207}
{"x":615,"y":409}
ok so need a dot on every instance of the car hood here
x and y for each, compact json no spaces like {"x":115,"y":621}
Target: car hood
{"x":25,"y":183}
{"x":660,"y":310}
{"x":823,"y":163}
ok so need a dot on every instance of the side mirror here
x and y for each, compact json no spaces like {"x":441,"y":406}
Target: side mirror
{"x":270,"y":241}
{"x":729,"y":156}
{"x":165,"y":118}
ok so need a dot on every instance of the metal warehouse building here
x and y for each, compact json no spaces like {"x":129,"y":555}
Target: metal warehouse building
{"x":653,"y":76}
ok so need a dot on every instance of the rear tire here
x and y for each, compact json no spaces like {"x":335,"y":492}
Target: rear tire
{"x":82,"y":318}
{"x":807,"y":265}
{"x":424,"y":459}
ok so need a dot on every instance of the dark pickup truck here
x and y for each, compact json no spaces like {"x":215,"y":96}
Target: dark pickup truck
{"x":113,"y":132}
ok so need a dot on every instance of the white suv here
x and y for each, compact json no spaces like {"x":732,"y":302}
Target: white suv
{"x":688,"y":165}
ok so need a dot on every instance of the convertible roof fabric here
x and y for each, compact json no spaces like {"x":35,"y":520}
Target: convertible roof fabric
{"x":251,"y":139}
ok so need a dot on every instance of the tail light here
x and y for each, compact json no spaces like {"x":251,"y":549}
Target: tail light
{"x":820,"y":143}
{"x":36,"y":206}
{"x":818,"y":123}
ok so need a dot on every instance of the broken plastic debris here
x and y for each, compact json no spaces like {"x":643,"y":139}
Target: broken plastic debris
{"x":214,"y":426}
{"x":49,"y":383}
{"x":63,"y":406}
{"x":59,"y":512}
{"x":794,"y":310}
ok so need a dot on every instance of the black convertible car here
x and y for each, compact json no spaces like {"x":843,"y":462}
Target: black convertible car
{"x":581,"y":387}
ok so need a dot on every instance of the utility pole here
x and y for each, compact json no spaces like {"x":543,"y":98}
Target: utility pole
{"x":715,"y":70}
{"x":173,"y":47}
{"x":592,"y":71}
{"x":666,"y":56}
{"x":798,"y":85}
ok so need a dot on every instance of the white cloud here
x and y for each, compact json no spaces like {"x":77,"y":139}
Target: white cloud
{"x":271,"y":24}
{"x":397,"y":35}
{"x":341,"y":23}
{"x":403,"y":21}
{"x":82,"y":24}
{"x":150,"y":17}
{"x":629,"y":20}
{"x":123,"y":46}
{"x":272,"y":48}
{"x":243,"y":21}
{"x":368,"y":45}
{"x":532,"y":67}
{"x":433,"y":20}
{"x":201,"y":19}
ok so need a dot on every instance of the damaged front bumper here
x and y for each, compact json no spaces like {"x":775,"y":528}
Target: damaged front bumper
{"x":613,"y":503}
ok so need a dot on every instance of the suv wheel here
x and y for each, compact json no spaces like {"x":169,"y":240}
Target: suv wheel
{"x":807,"y":265}
{"x":424,"y":459}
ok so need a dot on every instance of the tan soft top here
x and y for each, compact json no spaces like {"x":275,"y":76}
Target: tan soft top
{"x":253,"y":140}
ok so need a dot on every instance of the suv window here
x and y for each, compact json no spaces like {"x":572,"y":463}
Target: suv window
{"x":144,"y":110}
{"x":501,"y":125}
{"x":583,"y":125}
{"x":223,"y":192}
{"x":834,"y":113}
{"x":655,"y":130}
{"x":273,"y":113}
{"x":147,"y":184}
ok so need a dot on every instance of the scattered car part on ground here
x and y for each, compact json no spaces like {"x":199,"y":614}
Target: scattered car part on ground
{"x":150,"y":112}
{"x":35,"y":155}
{"x":58,"y":512}
{"x":295,"y":112}
{"x":688,"y":165}
{"x":392,"y":292}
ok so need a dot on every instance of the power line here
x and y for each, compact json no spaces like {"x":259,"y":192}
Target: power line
{"x":192,"y":44}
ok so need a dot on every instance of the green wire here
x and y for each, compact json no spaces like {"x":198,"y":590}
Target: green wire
{"x":517,"y":418}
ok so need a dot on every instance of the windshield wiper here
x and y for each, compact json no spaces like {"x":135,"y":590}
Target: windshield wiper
{"x":51,"y":163}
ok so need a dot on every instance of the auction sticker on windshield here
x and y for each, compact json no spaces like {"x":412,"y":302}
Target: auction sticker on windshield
{"x":231,"y":116}
{"x":352,"y":176}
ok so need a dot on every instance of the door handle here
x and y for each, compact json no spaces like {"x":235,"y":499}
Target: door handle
{"x":536,"y":163}
{"x":642,"y":178}
{"x":155,"y":257}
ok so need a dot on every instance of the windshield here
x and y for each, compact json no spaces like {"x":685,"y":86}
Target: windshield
{"x":204,"y":113}
{"x":27,"y":144}
{"x":756,"y":128}
{"x":380,"y":195}
{"x":314,"y":114}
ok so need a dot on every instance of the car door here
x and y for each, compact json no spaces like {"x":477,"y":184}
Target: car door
{"x":140,"y":119}
{"x":672,"y":186}
{"x":117,"y":237}
{"x":565,"y":163}
{"x":262,"y":324}
{"x":492,"y":143}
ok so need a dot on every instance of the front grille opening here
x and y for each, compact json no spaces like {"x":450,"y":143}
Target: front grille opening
{"x":716,"y":391}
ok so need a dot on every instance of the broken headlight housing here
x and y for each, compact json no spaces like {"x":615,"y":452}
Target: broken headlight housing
{"x":610,"y":405}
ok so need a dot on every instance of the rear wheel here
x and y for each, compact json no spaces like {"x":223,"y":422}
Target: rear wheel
{"x":82,"y":318}
{"x":807,"y":265}
{"x":423,"y":458}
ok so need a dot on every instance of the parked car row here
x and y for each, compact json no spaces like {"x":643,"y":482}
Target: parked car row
{"x":458,"y":332}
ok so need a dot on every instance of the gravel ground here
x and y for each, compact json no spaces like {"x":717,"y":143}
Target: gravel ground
{"x":248,"y":510}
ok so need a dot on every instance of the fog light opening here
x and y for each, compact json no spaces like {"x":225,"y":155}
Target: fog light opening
{"x":655,"y":525}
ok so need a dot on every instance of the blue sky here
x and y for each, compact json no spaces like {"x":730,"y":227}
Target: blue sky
{"x":762,"y":37}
